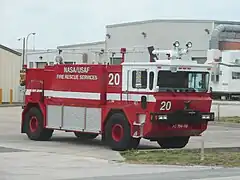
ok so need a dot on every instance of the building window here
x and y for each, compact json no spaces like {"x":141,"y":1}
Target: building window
{"x":115,"y":60}
{"x":235,"y":75}
{"x":41,"y":64}
{"x":30,"y":64}
{"x":139,"y":79}
{"x":214,"y":77}
{"x":200,"y":60}
{"x":85,"y":58}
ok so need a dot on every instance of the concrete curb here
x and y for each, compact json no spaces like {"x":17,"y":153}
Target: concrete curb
{"x":10,"y":105}
{"x":210,"y":149}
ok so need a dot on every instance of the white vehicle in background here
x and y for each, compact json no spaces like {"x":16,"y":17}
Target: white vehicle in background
{"x":225,"y":75}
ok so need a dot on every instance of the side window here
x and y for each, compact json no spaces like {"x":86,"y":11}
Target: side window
{"x":151,"y":80}
{"x":139,"y":79}
{"x":30,"y":64}
{"x":235,"y":75}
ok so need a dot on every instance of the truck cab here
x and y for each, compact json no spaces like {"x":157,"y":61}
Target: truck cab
{"x":175,"y":94}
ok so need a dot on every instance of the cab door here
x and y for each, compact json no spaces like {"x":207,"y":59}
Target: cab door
{"x":138,"y":85}
{"x":138,"y":82}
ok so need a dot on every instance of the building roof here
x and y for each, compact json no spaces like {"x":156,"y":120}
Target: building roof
{"x":80,"y":45}
{"x":173,"y":21}
{"x":10,"y":50}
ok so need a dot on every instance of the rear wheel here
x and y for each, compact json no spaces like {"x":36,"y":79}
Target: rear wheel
{"x":86,"y":136}
{"x":118,"y":133}
{"x":34,"y":128}
{"x":173,"y":142}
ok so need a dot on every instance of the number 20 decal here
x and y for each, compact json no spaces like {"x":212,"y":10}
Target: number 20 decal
{"x":165,"y":105}
{"x":114,"y":79}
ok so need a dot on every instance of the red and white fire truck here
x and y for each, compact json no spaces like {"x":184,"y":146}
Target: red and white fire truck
{"x":165,"y":100}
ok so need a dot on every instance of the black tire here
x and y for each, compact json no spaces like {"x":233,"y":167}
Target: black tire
{"x":173,"y":142}
{"x":125,"y":141}
{"x":85,"y":136}
{"x":39,"y":133}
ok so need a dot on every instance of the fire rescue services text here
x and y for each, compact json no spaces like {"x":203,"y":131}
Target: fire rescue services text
{"x":76,"y":73}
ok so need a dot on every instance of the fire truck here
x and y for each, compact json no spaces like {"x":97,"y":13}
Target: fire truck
{"x":166,"y":100}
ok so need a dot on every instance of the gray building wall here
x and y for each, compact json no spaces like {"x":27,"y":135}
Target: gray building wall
{"x":162,"y":34}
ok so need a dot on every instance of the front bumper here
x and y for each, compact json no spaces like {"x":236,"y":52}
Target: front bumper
{"x":182,"y":117}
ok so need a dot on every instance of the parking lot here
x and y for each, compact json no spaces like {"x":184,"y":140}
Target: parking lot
{"x":65,"y":156}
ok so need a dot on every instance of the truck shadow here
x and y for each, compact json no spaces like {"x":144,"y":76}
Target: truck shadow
{"x":94,"y":142}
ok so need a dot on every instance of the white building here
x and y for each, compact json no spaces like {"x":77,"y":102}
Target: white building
{"x":10,"y":66}
{"x":77,"y":53}
{"x":84,"y":53}
{"x":39,"y":59}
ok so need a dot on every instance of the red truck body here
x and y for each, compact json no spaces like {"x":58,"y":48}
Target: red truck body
{"x":107,"y":100}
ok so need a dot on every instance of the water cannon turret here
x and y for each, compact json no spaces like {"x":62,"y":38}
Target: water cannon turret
{"x":59,"y":59}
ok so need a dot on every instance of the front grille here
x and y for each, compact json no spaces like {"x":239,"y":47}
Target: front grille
{"x":182,"y":117}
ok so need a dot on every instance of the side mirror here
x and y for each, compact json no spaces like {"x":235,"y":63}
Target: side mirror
{"x":144,"y":102}
{"x":210,"y":90}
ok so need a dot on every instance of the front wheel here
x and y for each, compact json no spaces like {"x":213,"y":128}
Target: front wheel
{"x":33,"y":124}
{"x":118,"y":133}
{"x":173,"y":142}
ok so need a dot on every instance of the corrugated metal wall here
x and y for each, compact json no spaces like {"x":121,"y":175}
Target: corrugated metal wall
{"x":10,"y":65}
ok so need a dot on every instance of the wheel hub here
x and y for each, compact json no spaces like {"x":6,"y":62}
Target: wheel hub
{"x":117,"y":132}
{"x":33,"y":124}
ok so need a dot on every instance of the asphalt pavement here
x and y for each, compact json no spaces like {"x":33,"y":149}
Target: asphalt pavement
{"x":67,"y":158}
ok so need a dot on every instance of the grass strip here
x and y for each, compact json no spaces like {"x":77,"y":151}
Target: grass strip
{"x":183,"y":157}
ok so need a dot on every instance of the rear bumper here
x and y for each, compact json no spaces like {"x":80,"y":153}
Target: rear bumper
{"x":182,"y":117}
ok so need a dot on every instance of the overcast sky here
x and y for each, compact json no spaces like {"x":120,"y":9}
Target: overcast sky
{"x":60,"y":22}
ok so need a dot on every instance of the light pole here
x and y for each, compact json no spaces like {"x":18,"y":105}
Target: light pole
{"x":23,"y":50}
{"x":33,"y":33}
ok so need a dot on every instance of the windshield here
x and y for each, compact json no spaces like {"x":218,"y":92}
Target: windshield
{"x":183,"y":81}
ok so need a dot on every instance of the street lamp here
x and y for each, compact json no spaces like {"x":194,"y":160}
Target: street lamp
{"x":23,"y":49}
{"x":33,"y":33}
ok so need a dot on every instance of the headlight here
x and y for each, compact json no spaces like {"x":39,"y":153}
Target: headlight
{"x":162,"y":117}
{"x":206,"y":116}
